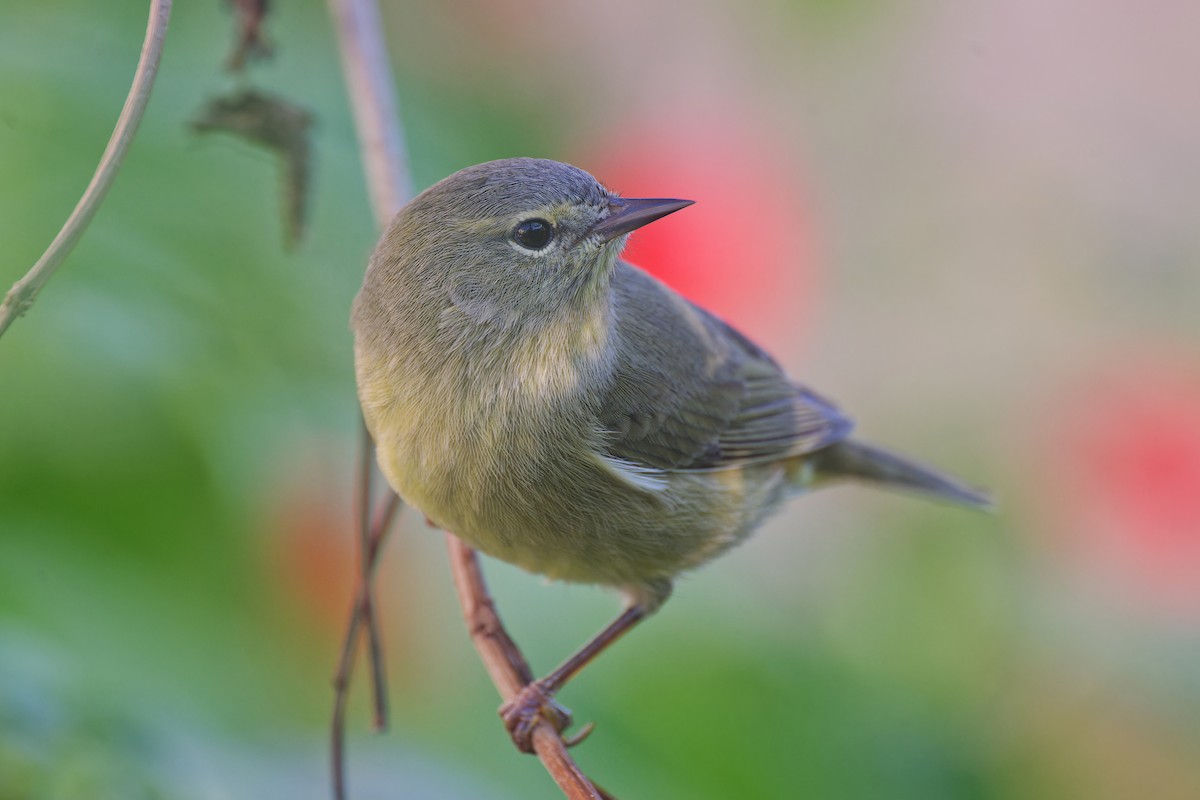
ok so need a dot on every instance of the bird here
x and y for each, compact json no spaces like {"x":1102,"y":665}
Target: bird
{"x":560,"y":409}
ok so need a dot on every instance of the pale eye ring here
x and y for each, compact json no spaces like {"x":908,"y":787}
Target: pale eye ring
{"x":533,"y":234}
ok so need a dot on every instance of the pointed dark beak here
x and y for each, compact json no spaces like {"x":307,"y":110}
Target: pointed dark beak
{"x":628,"y":213}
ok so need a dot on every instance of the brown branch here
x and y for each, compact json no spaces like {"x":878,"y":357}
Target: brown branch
{"x":362,"y":612}
{"x":509,"y":670}
{"x":22,"y":294}
{"x":370,"y":541}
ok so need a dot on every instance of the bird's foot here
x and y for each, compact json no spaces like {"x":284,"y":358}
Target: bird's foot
{"x":531,"y":705}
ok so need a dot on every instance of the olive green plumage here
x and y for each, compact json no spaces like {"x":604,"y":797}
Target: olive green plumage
{"x":558,"y":408}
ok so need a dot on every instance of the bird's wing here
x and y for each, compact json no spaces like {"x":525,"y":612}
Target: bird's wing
{"x":692,"y":393}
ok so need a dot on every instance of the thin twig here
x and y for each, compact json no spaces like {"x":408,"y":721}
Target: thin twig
{"x":369,"y":543}
{"x":508,"y":668}
{"x":358,"y":615}
{"x":22,"y":294}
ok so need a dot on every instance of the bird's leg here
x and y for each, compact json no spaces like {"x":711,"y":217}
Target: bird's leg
{"x":536,"y":700}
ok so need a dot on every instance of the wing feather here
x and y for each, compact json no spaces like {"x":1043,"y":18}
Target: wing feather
{"x":692,"y":393}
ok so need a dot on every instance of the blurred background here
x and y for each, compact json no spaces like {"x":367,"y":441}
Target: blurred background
{"x":973,"y":224}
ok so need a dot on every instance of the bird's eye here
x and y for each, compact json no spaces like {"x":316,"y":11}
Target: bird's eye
{"x":533,"y":234}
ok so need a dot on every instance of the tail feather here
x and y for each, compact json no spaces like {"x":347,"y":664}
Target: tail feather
{"x":853,"y":459}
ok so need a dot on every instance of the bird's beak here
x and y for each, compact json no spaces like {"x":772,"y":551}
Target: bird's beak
{"x":628,"y":213}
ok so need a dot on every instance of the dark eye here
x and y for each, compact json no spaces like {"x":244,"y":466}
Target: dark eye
{"x":533,"y":234}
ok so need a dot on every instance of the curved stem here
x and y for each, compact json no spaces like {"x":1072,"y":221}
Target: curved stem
{"x":21,"y":296}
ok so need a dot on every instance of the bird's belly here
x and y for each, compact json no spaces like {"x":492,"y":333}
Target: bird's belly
{"x":546,"y":515}
{"x":524,"y":485}
{"x":498,"y":482}
{"x":559,"y":513}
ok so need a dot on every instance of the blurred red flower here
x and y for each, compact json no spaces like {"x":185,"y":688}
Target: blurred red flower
{"x":311,"y":546}
{"x":745,"y":250}
{"x":1126,"y":481}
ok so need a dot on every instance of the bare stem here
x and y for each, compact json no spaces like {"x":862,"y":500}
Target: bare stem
{"x":508,"y":668}
{"x":369,"y":543}
{"x":22,"y":294}
{"x":359,"y":614}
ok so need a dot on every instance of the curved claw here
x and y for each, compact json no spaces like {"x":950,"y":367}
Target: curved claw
{"x":534,"y":703}
{"x":580,"y":735}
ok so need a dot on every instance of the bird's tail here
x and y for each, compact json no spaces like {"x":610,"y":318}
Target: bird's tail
{"x":850,"y":459}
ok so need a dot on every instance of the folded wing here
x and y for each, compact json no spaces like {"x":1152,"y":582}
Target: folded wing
{"x":692,"y":393}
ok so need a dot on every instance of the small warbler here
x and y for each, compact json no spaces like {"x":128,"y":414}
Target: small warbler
{"x":560,"y":409}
